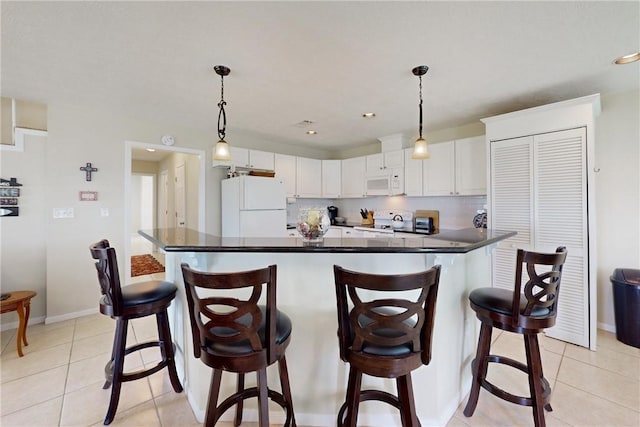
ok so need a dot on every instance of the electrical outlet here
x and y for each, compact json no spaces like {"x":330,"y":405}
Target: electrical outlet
{"x":63,"y":213}
{"x":104,"y":211}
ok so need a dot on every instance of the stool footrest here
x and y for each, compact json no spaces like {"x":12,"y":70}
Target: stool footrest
{"x":136,"y":375}
{"x":497,"y":391}
{"x":365,"y":395}
{"x":253,"y":392}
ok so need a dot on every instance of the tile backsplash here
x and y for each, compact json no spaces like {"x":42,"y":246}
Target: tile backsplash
{"x":455,"y":212}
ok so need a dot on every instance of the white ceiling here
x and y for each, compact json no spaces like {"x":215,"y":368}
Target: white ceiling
{"x":328,"y":62}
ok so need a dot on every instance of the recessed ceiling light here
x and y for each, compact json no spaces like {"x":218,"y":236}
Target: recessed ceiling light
{"x":151,"y":150}
{"x":311,"y":132}
{"x":369,"y":115}
{"x":633,"y":57}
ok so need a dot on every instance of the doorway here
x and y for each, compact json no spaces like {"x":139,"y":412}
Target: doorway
{"x":150,"y":202}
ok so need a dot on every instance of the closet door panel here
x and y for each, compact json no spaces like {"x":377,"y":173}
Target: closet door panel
{"x":560,"y":184}
{"x":511,"y":203}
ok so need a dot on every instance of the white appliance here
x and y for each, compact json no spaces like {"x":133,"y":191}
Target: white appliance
{"x":388,"y":184}
{"x":393,"y":220}
{"x":253,"y":206}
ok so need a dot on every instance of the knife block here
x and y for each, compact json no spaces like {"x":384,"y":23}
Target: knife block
{"x":368,"y":220}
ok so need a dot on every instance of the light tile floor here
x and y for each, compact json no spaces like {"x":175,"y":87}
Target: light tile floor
{"x":59,"y":381}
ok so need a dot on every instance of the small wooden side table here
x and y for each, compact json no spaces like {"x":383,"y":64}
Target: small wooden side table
{"x":19,"y":301}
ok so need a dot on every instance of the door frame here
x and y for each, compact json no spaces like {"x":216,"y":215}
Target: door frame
{"x":128,"y":147}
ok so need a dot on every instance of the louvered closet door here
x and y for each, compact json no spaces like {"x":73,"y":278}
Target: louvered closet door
{"x":511,"y":203}
{"x":561,"y":219}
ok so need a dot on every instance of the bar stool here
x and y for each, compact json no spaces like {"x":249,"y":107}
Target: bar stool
{"x":130,"y":302}
{"x":240,"y":336}
{"x":386,"y":337}
{"x":525,"y":311}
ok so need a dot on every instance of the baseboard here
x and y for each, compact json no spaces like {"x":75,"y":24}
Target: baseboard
{"x":14,"y":325}
{"x":607,"y":327}
{"x":69,"y":316}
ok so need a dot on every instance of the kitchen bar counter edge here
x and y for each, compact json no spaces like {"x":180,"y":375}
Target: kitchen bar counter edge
{"x":447,"y":241}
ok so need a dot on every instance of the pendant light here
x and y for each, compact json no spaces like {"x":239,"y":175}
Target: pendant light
{"x":221,"y":151}
{"x":420,"y":150}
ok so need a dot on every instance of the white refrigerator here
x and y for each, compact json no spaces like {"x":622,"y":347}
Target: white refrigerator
{"x":253,"y":206}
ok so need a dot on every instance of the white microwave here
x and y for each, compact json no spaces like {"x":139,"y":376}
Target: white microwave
{"x":388,"y":184}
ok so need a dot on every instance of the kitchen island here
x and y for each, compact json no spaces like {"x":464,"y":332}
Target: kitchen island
{"x":306,"y":293}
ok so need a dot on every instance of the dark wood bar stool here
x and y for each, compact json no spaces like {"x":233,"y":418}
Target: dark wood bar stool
{"x":130,"y":302}
{"x":384,"y":337}
{"x":234,"y":335}
{"x":527,"y":311}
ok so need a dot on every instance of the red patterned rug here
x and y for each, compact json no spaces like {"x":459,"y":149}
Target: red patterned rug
{"x":145,"y":264}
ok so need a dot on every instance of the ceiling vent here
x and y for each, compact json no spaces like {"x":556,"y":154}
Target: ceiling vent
{"x":304,"y":124}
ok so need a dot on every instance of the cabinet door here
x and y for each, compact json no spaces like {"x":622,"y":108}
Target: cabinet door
{"x":239,"y":157}
{"x":412,"y":174}
{"x":353,"y":171}
{"x":471,"y":166}
{"x":261,"y":160}
{"x":308,"y":177}
{"x":438,"y":171}
{"x":375,"y":164}
{"x":394,"y":159}
{"x":285,"y":168}
{"x":334,"y":232}
{"x":331,"y":178}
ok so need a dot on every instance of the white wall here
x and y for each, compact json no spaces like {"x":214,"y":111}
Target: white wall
{"x":617,"y":194}
{"x":22,"y":238}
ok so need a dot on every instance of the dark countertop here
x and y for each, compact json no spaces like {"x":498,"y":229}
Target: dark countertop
{"x":446,"y":241}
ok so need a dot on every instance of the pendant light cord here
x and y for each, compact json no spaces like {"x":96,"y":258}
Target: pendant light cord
{"x":222,"y":115}
{"x":420,"y":105}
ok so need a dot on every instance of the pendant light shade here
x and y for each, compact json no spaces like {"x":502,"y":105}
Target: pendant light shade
{"x":420,"y":149}
{"x":221,"y":151}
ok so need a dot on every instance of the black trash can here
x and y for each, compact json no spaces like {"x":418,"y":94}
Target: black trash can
{"x":626,"y":304}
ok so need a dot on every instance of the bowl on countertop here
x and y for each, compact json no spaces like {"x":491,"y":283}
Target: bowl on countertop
{"x":340,"y":220}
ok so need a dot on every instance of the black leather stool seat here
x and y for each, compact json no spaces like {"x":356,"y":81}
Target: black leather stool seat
{"x":147,"y":292}
{"x":404,"y":349}
{"x":501,"y":301}
{"x":283,"y":331}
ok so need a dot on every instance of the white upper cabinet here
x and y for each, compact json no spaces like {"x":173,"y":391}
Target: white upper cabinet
{"x":308,"y":177}
{"x":456,"y":168}
{"x":245,"y":158}
{"x":471,"y":166}
{"x":285,"y":168}
{"x":331,"y":179}
{"x":353,"y":172}
{"x":412,"y":174}
{"x":438,"y":170}
{"x":383,"y":162}
{"x":394,"y":159}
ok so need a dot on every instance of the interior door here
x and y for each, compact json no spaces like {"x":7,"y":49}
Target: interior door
{"x":180,"y":195}
{"x":163,"y":199}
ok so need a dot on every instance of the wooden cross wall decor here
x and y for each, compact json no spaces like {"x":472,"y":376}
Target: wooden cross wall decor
{"x":88,"y":169}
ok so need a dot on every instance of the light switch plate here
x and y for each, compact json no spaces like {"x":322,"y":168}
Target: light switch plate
{"x":63,"y":213}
